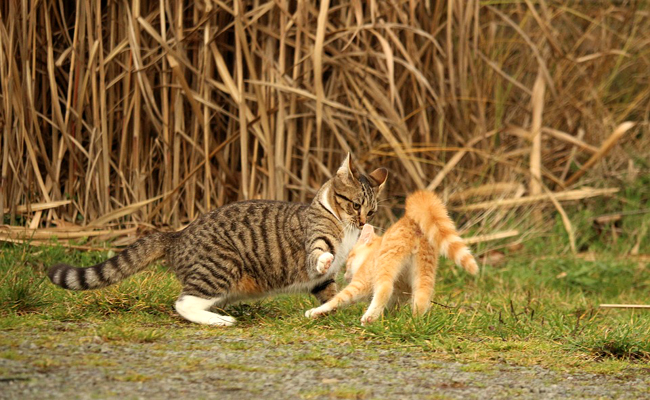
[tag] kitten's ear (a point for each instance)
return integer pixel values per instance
(379, 177)
(367, 233)
(346, 171)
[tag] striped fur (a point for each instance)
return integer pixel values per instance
(249, 249)
(403, 262)
(133, 259)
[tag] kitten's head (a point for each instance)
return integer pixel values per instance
(365, 246)
(355, 195)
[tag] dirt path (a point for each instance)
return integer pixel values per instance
(203, 366)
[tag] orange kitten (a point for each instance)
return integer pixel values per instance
(403, 261)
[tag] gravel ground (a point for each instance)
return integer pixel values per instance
(202, 366)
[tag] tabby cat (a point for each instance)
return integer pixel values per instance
(250, 248)
(403, 261)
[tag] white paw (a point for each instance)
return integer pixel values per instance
(369, 318)
(313, 313)
(221, 320)
(324, 262)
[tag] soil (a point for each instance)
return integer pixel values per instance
(204, 366)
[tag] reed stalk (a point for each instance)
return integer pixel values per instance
(150, 112)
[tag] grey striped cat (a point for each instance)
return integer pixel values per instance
(249, 249)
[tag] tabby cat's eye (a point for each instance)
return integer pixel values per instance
(371, 213)
(356, 206)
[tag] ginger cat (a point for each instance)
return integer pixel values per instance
(403, 261)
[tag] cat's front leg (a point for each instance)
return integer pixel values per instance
(324, 262)
(390, 262)
(318, 311)
(320, 255)
(356, 290)
(371, 315)
(381, 296)
(319, 263)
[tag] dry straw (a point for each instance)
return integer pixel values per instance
(151, 112)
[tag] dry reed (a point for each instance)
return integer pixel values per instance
(150, 112)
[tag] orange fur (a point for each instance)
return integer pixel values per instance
(430, 214)
(248, 285)
(403, 261)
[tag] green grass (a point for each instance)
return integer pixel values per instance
(540, 307)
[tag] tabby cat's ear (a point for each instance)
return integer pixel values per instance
(379, 177)
(367, 233)
(346, 171)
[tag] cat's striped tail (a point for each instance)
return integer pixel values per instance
(430, 214)
(133, 259)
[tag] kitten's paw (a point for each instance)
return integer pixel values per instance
(314, 313)
(324, 263)
(369, 318)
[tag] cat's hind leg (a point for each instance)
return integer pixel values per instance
(195, 309)
(203, 288)
(424, 278)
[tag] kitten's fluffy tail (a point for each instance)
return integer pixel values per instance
(430, 214)
(133, 259)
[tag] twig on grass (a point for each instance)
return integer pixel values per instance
(641, 306)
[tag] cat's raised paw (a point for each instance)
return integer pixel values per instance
(324, 263)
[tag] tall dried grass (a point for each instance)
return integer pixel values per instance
(150, 112)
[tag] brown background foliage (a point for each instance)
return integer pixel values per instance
(150, 112)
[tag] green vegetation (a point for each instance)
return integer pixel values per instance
(531, 310)
(538, 306)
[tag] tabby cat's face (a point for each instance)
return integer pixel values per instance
(355, 196)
